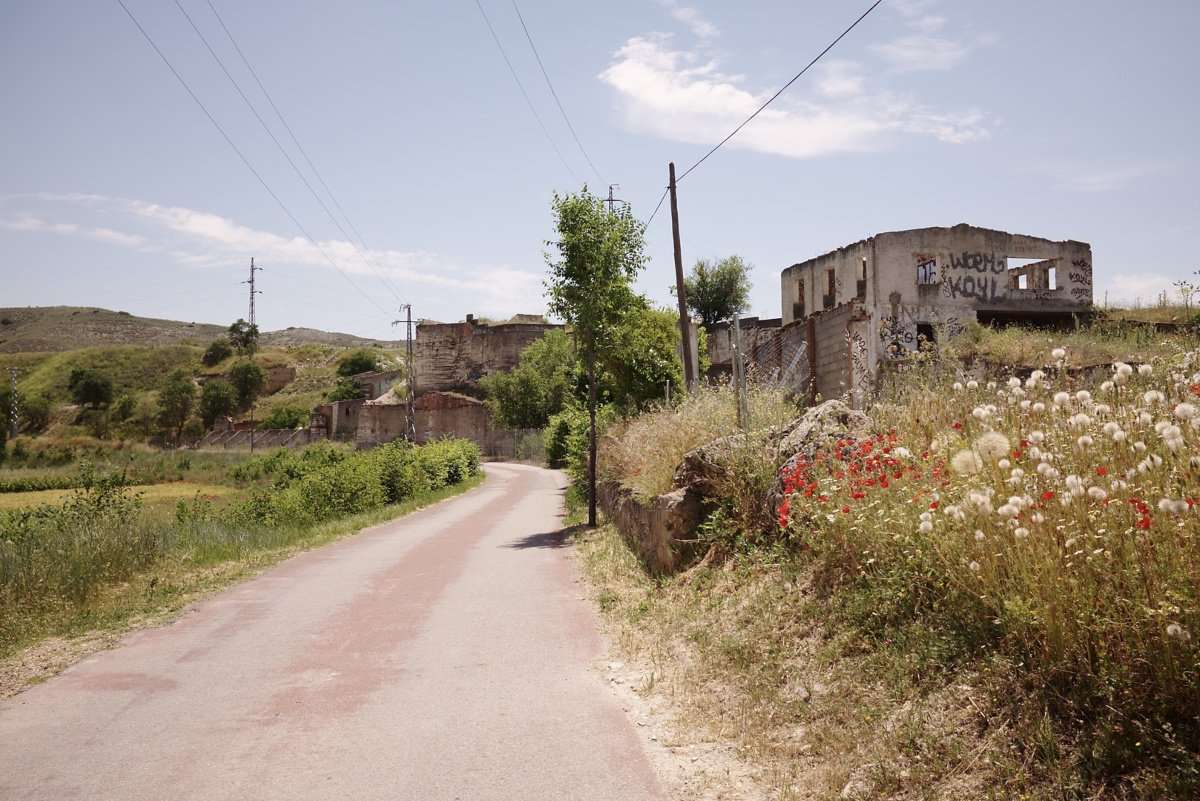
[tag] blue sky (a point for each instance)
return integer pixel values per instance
(1066, 119)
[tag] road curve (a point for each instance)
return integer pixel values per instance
(447, 655)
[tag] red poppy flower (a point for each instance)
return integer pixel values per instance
(1047, 496)
(1102, 470)
(1143, 522)
(845, 510)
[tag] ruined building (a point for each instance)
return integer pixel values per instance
(846, 313)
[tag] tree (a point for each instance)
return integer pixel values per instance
(90, 388)
(247, 379)
(716, 292)
(538, 387)
(217, 399)
(285, 417)
(175, 401)
(243, 337)
(345, 389)
(358, 361)
(594, 261)
(643, 357)
(217, 352)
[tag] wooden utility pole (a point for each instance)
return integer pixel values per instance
(739, 374)
(685, 322)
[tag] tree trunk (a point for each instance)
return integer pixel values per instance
(592, 442)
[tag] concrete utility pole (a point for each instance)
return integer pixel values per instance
(253, 324)
(410, 366)
(13, 408)
(739, 374)
(685, 322)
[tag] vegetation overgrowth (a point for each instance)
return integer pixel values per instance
(1031, 539)
(56, 561)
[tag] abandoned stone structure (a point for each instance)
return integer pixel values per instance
(849, 311)
(454, 356)
(759, 338)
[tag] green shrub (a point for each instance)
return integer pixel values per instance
(285, 417)
(358, 361)
(217, 352)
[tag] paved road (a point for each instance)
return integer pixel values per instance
(445, 656)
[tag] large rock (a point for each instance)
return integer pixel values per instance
(661, 529)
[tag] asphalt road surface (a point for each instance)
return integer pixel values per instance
(447, 655)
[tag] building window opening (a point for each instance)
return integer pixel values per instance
(861, 293)
(798, 311)
(926, 270)
(926, 336)
(830, 289)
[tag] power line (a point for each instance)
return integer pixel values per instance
(245, 160)
(659, 206)
(296, 142)
(525, 94)
(546, 75)
(795, 78)
(279, 145)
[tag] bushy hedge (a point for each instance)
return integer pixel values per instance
(323, 483)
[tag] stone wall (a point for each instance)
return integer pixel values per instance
(759, 339)
(454, 356)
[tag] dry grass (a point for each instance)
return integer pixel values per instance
(644, 451)
(744, 654)
(152, 494)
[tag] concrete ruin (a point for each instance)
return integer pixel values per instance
(852, 310)
(452, 357)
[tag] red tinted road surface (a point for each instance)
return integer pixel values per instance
(445, 656)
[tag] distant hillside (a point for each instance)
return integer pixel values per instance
(61, 328)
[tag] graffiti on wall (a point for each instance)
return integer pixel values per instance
(860, 368)
(927, 272)
(899, 333)
(975, 276)
(1080, 275)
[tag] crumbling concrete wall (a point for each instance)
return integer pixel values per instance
(454, 356)
(759, 339)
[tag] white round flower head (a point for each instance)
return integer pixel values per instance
(1004, 464)
(925, 516)
(1102, 409)
(991, 385)
(1096, 493)
(978, 535)
(902, 453)
(1145, 369)
(925, 527)
(1107, 386)
(1014, 382)
(979, 413)
(1008, 510)
(1021, 533)
(992, 445)
(1178, 632)
(1118, 436)
(1080, 420)
(1037, 437)
(1025, 404)
(1186, 411)
(1083, 396)
(966, 462)
(1144, 418)
(974, 566)
(958, 387)
(1084, 442)
(1123, 370)
(1039, 407)
(972, 384)
(1061, 399)
(1152, 397)
(1058, 354)
(1110, 428)
(1038, 518)
(1139, 446)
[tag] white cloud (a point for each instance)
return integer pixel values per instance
(920, 52)
(700, 26)
(1104, 179)
(839, 79)
(202, 239)
(676, 95)
(1131, 288)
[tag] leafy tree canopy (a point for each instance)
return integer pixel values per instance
(285, 417)
(175, 401)
(217, 352)
(716, 292)
(217, 399)
(345, 389)
(90, 388)
(538, 387)
(243, 337)
(248, 380)
(358, 361)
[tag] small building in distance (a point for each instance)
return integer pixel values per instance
(847, 311)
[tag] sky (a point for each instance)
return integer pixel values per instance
(1070, 119)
